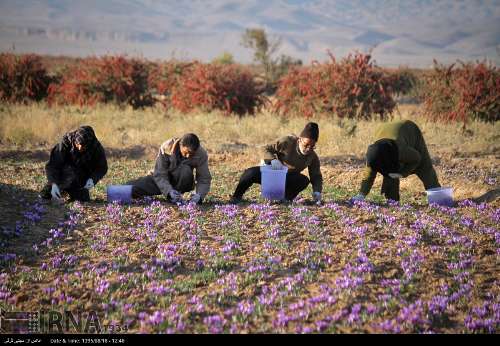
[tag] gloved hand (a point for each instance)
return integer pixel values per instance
(89, 184)
(195, 198)
(276, 164)
(358, 197)
(395, 175)
(316, 196)
(175, 196)
(56, 193)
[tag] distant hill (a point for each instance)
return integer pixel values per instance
(399, 31)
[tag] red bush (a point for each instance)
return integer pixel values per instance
(400, 81)
(22, 78)
(230, 88)
(352, 88)
(163, 77)
(107, 79)
(470, 91)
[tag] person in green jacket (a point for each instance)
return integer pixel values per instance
(296, 153)
(399, 150)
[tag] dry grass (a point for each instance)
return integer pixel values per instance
(35, 126)
(463, 160)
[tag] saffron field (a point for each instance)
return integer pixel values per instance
(153, 267)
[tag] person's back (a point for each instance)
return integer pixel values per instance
(403, 132)
(398, 151)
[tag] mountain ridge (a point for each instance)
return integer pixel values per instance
(393, 30)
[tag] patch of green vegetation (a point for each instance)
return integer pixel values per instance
(195, 280)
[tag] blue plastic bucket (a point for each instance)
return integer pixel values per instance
(121, 193)
(441, 196)
(273, 183)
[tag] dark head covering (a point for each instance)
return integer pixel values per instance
(85, 136)
(311, 130)
(383, 156)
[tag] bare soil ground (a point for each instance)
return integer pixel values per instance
(257, 267)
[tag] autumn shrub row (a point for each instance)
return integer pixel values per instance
(463, 92)
(349, 88)
(23, 78)
(103, 80)
(135, 82)
(209, 87)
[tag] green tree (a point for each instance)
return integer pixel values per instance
(225, 58)
(265, 50)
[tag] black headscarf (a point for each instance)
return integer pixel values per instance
(383, 156)
(85, 136)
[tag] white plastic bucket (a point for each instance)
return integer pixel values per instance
(273, 182)
(121, 193)
(440, 195)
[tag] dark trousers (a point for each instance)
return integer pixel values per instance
(295, 183)
(390, 188)
(426, 173)
(71, 182)
(181, 179)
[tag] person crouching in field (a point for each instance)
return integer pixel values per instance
(75, 165)
(173, 171)
(399, 150)
(296, 153)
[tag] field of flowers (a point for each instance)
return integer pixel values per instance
(253, 268)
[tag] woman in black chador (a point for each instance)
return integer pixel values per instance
(76, 164)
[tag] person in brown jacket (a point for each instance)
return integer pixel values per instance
(399, 150)
(173, 172)
(296, 153)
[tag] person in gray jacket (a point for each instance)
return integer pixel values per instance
(173, 172)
